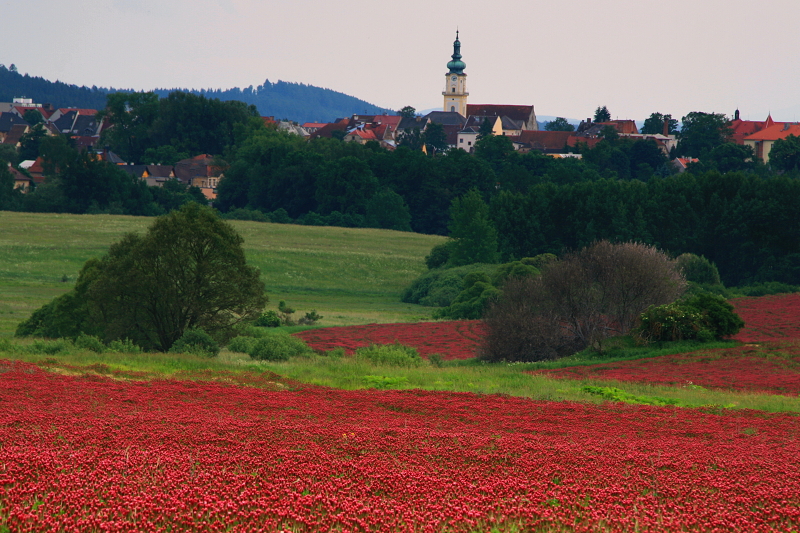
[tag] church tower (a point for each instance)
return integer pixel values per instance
(455, 88)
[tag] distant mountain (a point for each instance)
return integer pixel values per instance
(295, 101)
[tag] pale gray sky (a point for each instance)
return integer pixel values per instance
(565, 57)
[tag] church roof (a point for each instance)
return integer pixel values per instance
(446, 118)
(456, 66)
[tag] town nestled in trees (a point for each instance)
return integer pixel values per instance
(725, 191)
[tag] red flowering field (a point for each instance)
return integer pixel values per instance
(768, 318)
(743, 368)
(452, 340)
(770, 367)
(95, 454)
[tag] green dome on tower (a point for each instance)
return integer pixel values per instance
(456, 66)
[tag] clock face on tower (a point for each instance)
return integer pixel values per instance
(454, 78)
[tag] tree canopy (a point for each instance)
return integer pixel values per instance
(559, 124)
(654, 124)
(702, 132)
(188, 271)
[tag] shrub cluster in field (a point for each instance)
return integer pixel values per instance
(465, 292)
(703, 317)
(66, 346)
(278, 346)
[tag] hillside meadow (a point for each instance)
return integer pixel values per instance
(350, 276)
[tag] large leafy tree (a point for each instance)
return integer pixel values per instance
(187, 271)
(559, 124)
(131, 116)
(474, 236)
(654, 124)
(785, 153)
(435, 138)
(702, 132)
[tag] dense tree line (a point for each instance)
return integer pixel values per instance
(59, 94)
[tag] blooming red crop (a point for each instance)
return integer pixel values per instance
(94, 454)
(747, 368)
(769, 317)
(452, 340)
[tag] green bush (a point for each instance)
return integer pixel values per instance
(50, 347)
(89, 342)
(310, 318)
(241, 344)
(471, 302)
(439, 255)
(515, 269)
(278, 347)
(395, 354)
(124, 346)
(196, 341)
(268, 319)
(670, 322)
(438, 288)
(718, 315)
(698, 269)
(704, 317)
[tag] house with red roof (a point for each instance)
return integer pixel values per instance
(762, 141)
(741, 129)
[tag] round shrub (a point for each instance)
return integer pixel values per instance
(196, 341)
(439, 255)
(241, 344)
(395, 354)
(698, 269)
(278, 347)
(268, 319)
(671, 322)
(719, 316)
(89, 342)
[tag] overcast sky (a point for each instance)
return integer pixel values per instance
(565, 57)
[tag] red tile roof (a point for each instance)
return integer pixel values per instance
(775, 132)
(46, 113)
(77, 110)
(543, 140)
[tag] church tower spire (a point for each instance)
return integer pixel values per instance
(455, 88)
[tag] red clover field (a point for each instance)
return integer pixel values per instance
(87, 452)
(96, 454)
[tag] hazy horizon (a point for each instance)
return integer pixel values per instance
(633, 57)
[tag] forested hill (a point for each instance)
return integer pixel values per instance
(13, 84)
(295, 101)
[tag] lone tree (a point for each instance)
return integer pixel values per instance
(579, 301)
(188, 271)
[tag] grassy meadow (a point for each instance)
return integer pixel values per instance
(350, 276)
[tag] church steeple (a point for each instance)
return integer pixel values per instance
(455, 87)
(456, 66)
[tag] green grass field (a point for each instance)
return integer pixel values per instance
(350, 276)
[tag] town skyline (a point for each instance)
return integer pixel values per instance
(635, 59)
